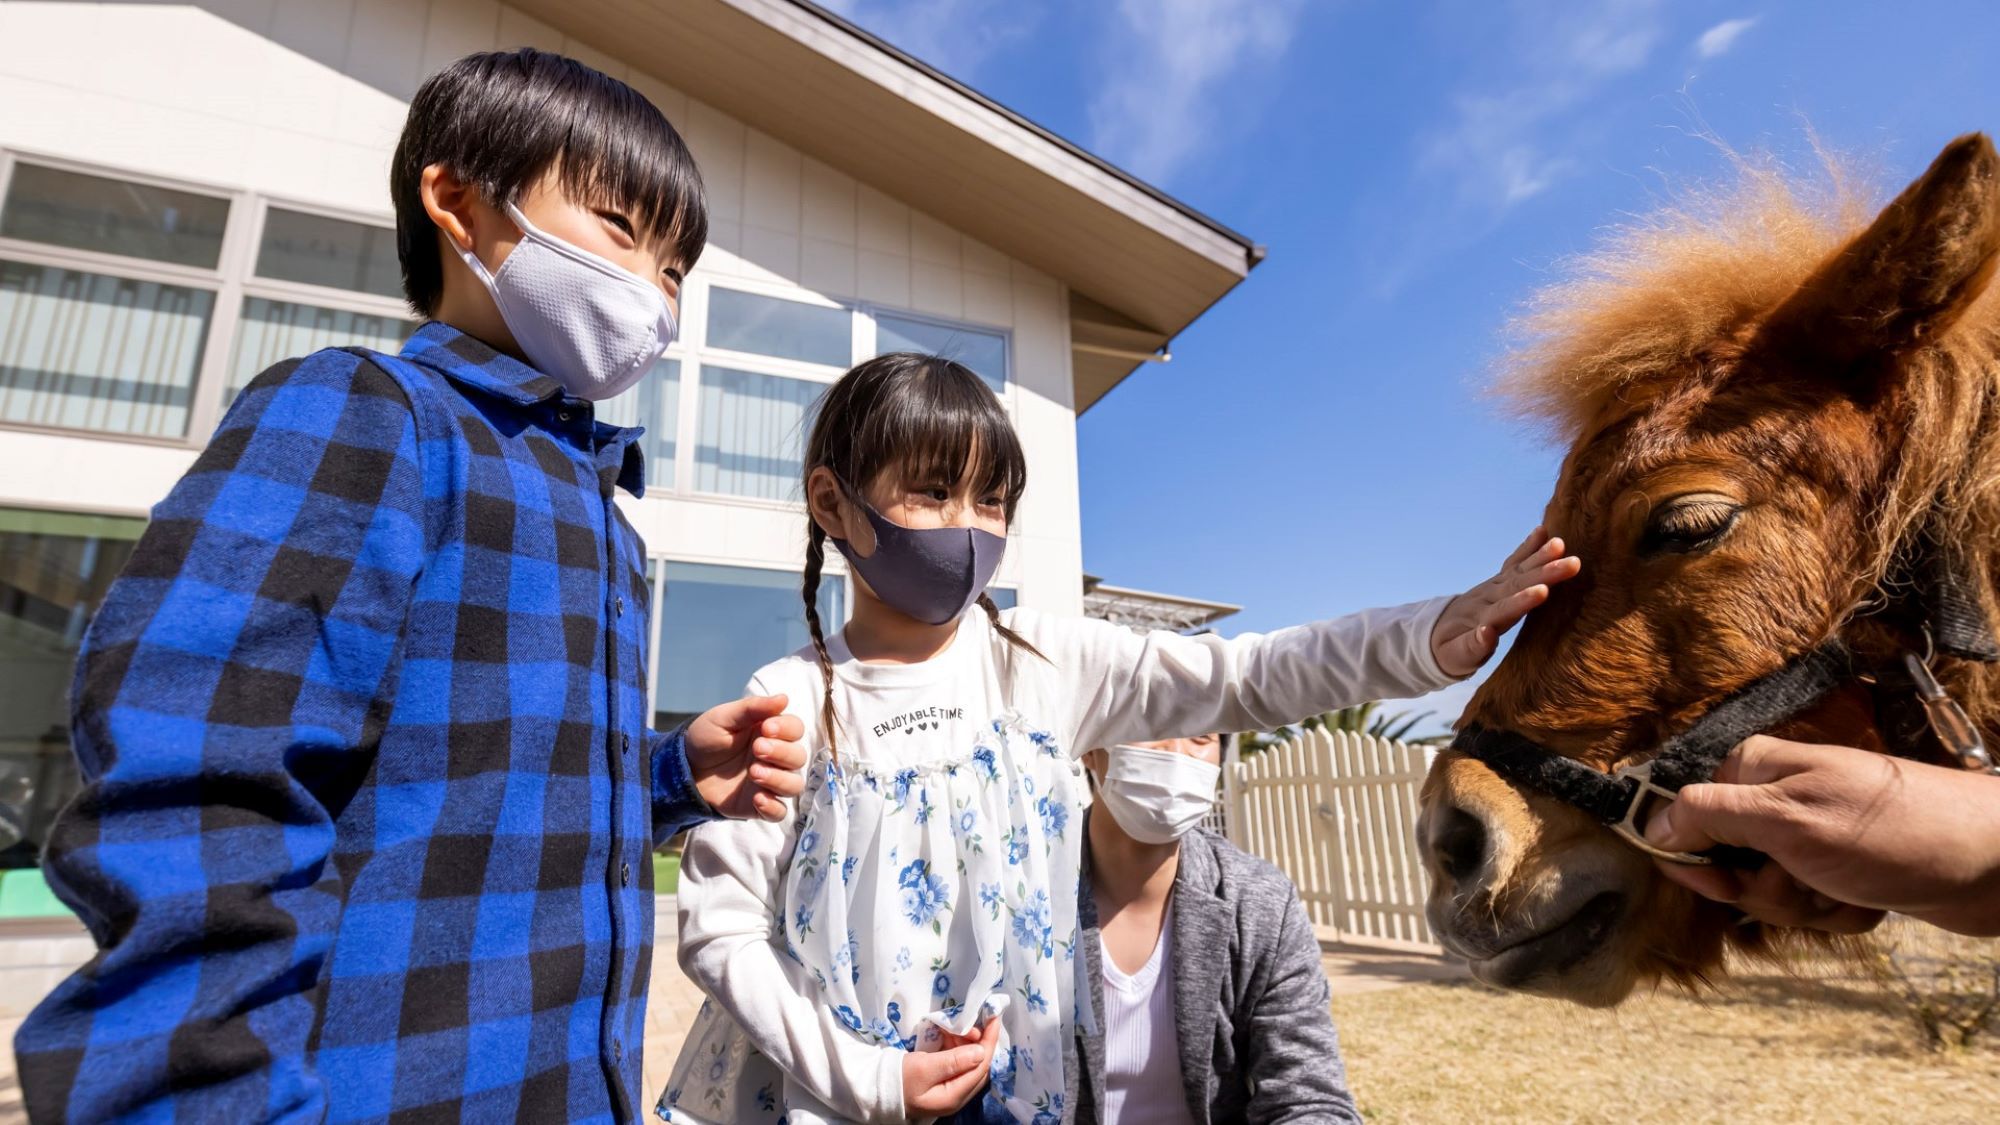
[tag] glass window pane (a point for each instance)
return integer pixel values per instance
(318, 250)
(1003, 597)
(984, 352)
(276, 330)
(752, 433)
(114, 216)
(90, 352)
(746, 322)
(54, 569)
(655, 404)
(719, 624)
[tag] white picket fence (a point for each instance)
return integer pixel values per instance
(1338, 813)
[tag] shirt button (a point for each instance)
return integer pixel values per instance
(624, 874)
(625, 743)
(621, 605)
(563, 415)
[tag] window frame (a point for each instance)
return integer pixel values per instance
(656, 575)
(873, 311)
(692, 349)
(233, 281)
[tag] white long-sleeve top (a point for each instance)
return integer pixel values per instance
(1100, 685)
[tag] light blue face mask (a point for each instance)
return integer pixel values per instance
(583, 320)
(932, 574)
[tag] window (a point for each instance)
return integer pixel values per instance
(269, 331)
(335, 253)
(719, 624)
(132, 220)
(753, 430)
(108, 348)
(54, 569)
(1004, 597)
(773, 326)
(117, 314)
(654, 403)
(357, 259)
(90, 351)
(984, 352)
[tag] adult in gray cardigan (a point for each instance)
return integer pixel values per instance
(1209, 1001)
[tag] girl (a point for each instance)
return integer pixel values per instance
(908, 934)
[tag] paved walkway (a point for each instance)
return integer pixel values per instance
(674, 1000)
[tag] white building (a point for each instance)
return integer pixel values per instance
(191, 191)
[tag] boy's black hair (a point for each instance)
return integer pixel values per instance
(500, 119)
(928, 420)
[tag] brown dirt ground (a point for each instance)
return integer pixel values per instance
(1766, 1048)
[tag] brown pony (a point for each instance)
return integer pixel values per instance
(1765, 407)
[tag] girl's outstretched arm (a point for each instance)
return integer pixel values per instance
(1121, 686)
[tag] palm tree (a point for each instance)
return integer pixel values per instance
(1362, 718)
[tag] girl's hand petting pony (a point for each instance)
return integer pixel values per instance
(746, 757)
(1469, 630)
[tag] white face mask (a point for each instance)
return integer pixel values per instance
(1157, 796)
(585, 322)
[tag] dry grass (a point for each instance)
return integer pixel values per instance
(1770, 1048)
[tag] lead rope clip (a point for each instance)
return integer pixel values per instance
(1947, 719)
(1631, 827)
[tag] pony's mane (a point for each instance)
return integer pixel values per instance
(1662, 286)
(1641, 310)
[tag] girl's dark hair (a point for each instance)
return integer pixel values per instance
(927, 420)
(499, 120)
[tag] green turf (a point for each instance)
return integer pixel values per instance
(666, 873)
(25, 894)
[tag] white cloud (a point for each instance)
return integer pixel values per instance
(1719, 39)
(1166, 67)
(956, 36)
(1504, 142)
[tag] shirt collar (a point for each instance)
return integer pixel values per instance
(473, 363)
(470, 362)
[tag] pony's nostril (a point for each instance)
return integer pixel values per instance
(1460, 841)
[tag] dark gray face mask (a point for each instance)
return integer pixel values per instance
(933, 574)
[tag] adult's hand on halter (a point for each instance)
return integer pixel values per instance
(1850, 834)
(1469, 630)
(746, 757)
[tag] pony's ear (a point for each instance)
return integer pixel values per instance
(1908, 278)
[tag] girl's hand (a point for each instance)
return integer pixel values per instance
(746, 757)
(1469, 630)
(939, 1083)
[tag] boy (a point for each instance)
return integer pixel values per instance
(369, 793)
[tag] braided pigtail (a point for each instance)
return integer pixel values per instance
(815, 561)
(1009, 635)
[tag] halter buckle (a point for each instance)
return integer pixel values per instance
(1948, 720)
(1631, 828)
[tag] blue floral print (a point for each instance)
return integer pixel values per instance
(926, 930)
(1031, 924)
(989, 897)
(1055, 816)
(924, 894)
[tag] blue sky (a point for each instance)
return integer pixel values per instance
(1320, 442)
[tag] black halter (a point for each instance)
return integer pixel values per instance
(1934, 595)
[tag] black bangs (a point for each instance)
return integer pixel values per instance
(501, 119)
(922, 417)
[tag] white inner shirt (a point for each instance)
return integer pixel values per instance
(1142, 1058)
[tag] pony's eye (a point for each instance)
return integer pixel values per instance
(1687, 524)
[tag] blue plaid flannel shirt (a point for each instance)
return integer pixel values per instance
(369, 793)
